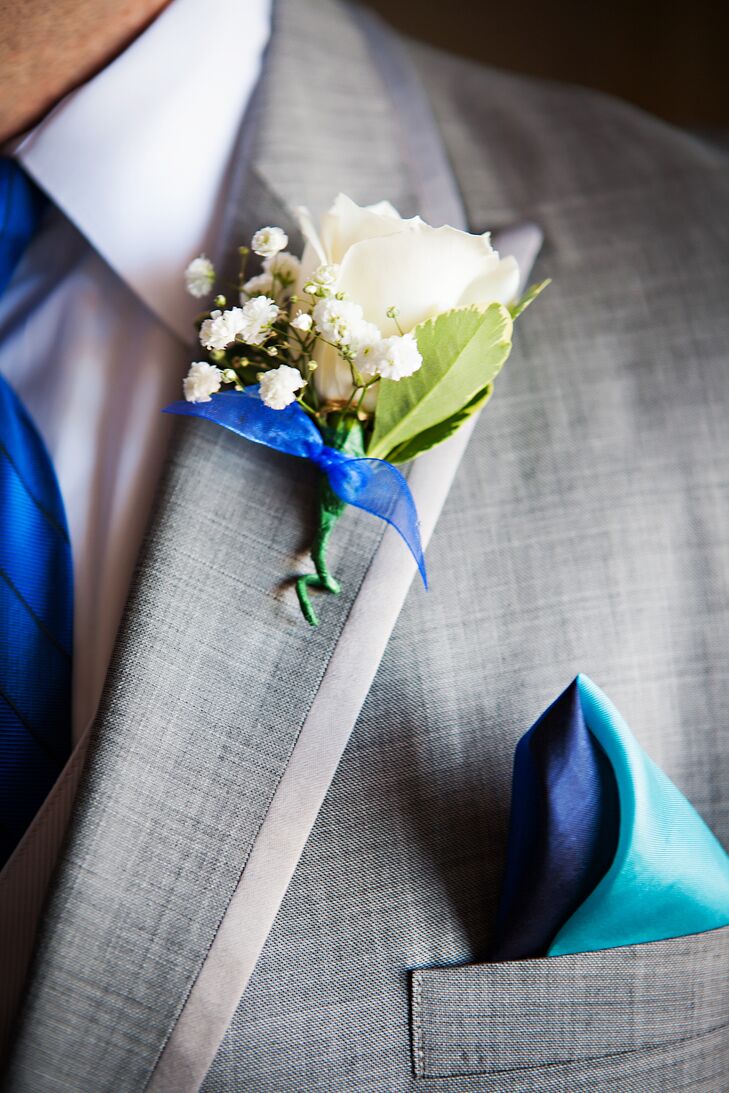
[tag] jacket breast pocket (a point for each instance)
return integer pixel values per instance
(644, 1017)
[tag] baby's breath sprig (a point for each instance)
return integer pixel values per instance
(275, 334)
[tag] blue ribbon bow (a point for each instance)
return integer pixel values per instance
(370, 484)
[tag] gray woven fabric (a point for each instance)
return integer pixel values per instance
(586, 531)
(473, 1019)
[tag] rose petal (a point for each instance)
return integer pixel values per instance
(422, 271)
(347, 223)
(309, 232)
(496, 286)
(333, 377)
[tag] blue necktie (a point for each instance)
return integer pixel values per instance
(36, 604)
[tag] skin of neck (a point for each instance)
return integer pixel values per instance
(49, 47)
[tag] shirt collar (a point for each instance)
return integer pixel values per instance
(138, 157)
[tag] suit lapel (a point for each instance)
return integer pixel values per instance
(322, 121)
(329, 120)
(214, 672)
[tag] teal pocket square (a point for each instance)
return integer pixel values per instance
(604, 850)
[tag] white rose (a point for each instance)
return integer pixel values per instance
(279, 386)
(385, 262)
(202, 381)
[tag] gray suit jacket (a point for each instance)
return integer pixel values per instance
(586, 530)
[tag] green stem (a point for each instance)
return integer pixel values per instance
(305, 406)
(345, 434)
(330, 509)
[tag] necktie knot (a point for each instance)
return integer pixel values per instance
(21, 207)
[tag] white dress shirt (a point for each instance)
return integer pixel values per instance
(95, 327)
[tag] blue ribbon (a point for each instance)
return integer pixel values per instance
(370, 484)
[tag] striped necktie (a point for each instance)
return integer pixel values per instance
(36, 593)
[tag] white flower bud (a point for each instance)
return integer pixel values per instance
(285, 267)
(279, 386)
(258, 314)
(323, 280)
(395, 358)
(202, 381)
(365, 346)
(262, 285)
(200, 276)
(338, 320)
(221, 328)
(303, 321)
(269, 241)
(249, 323)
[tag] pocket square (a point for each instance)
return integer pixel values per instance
(603, 849)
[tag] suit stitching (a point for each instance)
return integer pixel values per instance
(418, 1049)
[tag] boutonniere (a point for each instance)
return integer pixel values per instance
(373, 348)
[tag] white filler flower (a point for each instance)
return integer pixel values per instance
(200, 276)
(322, 281)
(302, 321)
(339, 321)
(221, 328)
(269, 241)
(261, 285)
(285, 267)
(258, 314)
(202, 381)
(396, 357)
(279, 387)
(388, 263)
(365, 346)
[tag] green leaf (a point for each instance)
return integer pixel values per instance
(434, 436)
(462, 350)
(528, 298)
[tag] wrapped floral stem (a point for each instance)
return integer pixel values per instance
(330, 508)
(374, 347)
(342, 434)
